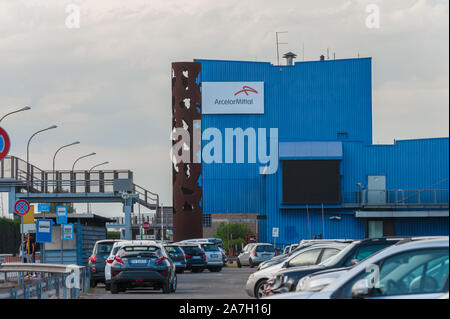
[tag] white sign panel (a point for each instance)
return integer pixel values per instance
(44, 226)
(233, 97)
(275, 232)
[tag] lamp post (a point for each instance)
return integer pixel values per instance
(26, 108)
(54, 157)
(28, 150)
(90, 170)
(81, 157)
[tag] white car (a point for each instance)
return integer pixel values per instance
(214, 257)
(311, 255)
(416, 269)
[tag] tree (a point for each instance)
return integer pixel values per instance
(235, 231)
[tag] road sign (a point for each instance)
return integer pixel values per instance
(29, 218)
(146, 225)
(275, 232)
(44, 208)
(5, 144)
(44, 230)
(61, 214)
(22, 207)
(67, 231)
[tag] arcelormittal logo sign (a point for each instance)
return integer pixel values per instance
(233, 97)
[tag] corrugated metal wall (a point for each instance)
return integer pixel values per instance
(54, 257)
(309, 101)
(422, 226)
(315, 101)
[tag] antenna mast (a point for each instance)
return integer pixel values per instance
(278, 43)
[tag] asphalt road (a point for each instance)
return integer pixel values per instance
(227, 284)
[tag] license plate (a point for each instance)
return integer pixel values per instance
(196, 257)
(214, 256)
(139, 261)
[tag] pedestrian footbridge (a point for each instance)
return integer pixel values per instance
(26, 181)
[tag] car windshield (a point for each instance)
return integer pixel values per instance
(191, 250)
(131, 251)
(265, 248)
(173, 250)
(209, 248)
(104, 248)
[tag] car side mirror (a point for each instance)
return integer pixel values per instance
(354, 261)
(286, 264)
(361, 289)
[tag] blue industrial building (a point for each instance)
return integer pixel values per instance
(323, 112)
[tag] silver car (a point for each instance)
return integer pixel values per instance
(254, 254)
(311, 255)
(416, 269)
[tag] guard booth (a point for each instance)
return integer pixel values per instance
(87, 229)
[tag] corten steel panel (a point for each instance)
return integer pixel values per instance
(187, 190)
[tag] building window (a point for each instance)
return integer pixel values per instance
(207, 220)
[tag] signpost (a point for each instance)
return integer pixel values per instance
(22, 207)
(61, 219)
(146, 225)
(5, 144)
(44, 208)
(275, 235)
(44, 230)
(67, 231)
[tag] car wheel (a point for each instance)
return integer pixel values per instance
(250, 263)
(195, 269)
(173, 287)
(260, 289)
(93, 284)
(180, 271)
(239, 263)
(201, 269)
(114, 289)
(166, 286)
(107, 287)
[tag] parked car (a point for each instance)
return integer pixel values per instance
(177, 255)
(304, 244)
(312, 255)
(415, 269)
(143, 264)
(317, 281)
(97, 260)
(254, 254)
(355, 252)
(286, 250)
(116, 247)
(216, 241)
(214, 258)
(195, 257)
(224, 256)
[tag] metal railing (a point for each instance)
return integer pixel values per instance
(407, 198)
(56, 281)
(66, 181)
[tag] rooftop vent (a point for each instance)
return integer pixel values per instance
(290, 58)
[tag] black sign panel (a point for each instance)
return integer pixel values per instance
(311, 182)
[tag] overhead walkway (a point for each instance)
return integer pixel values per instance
(28, 182)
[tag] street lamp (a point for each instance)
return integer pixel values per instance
(90, 170)
(28, 146)
(81, 157)
(54, 157)
(26, 108)
(104, 163)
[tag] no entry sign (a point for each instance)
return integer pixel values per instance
(22, 207)
(146, 225)
(5, 144)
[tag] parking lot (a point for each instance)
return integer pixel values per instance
(227, 284)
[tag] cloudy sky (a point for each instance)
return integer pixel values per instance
(107, 83)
